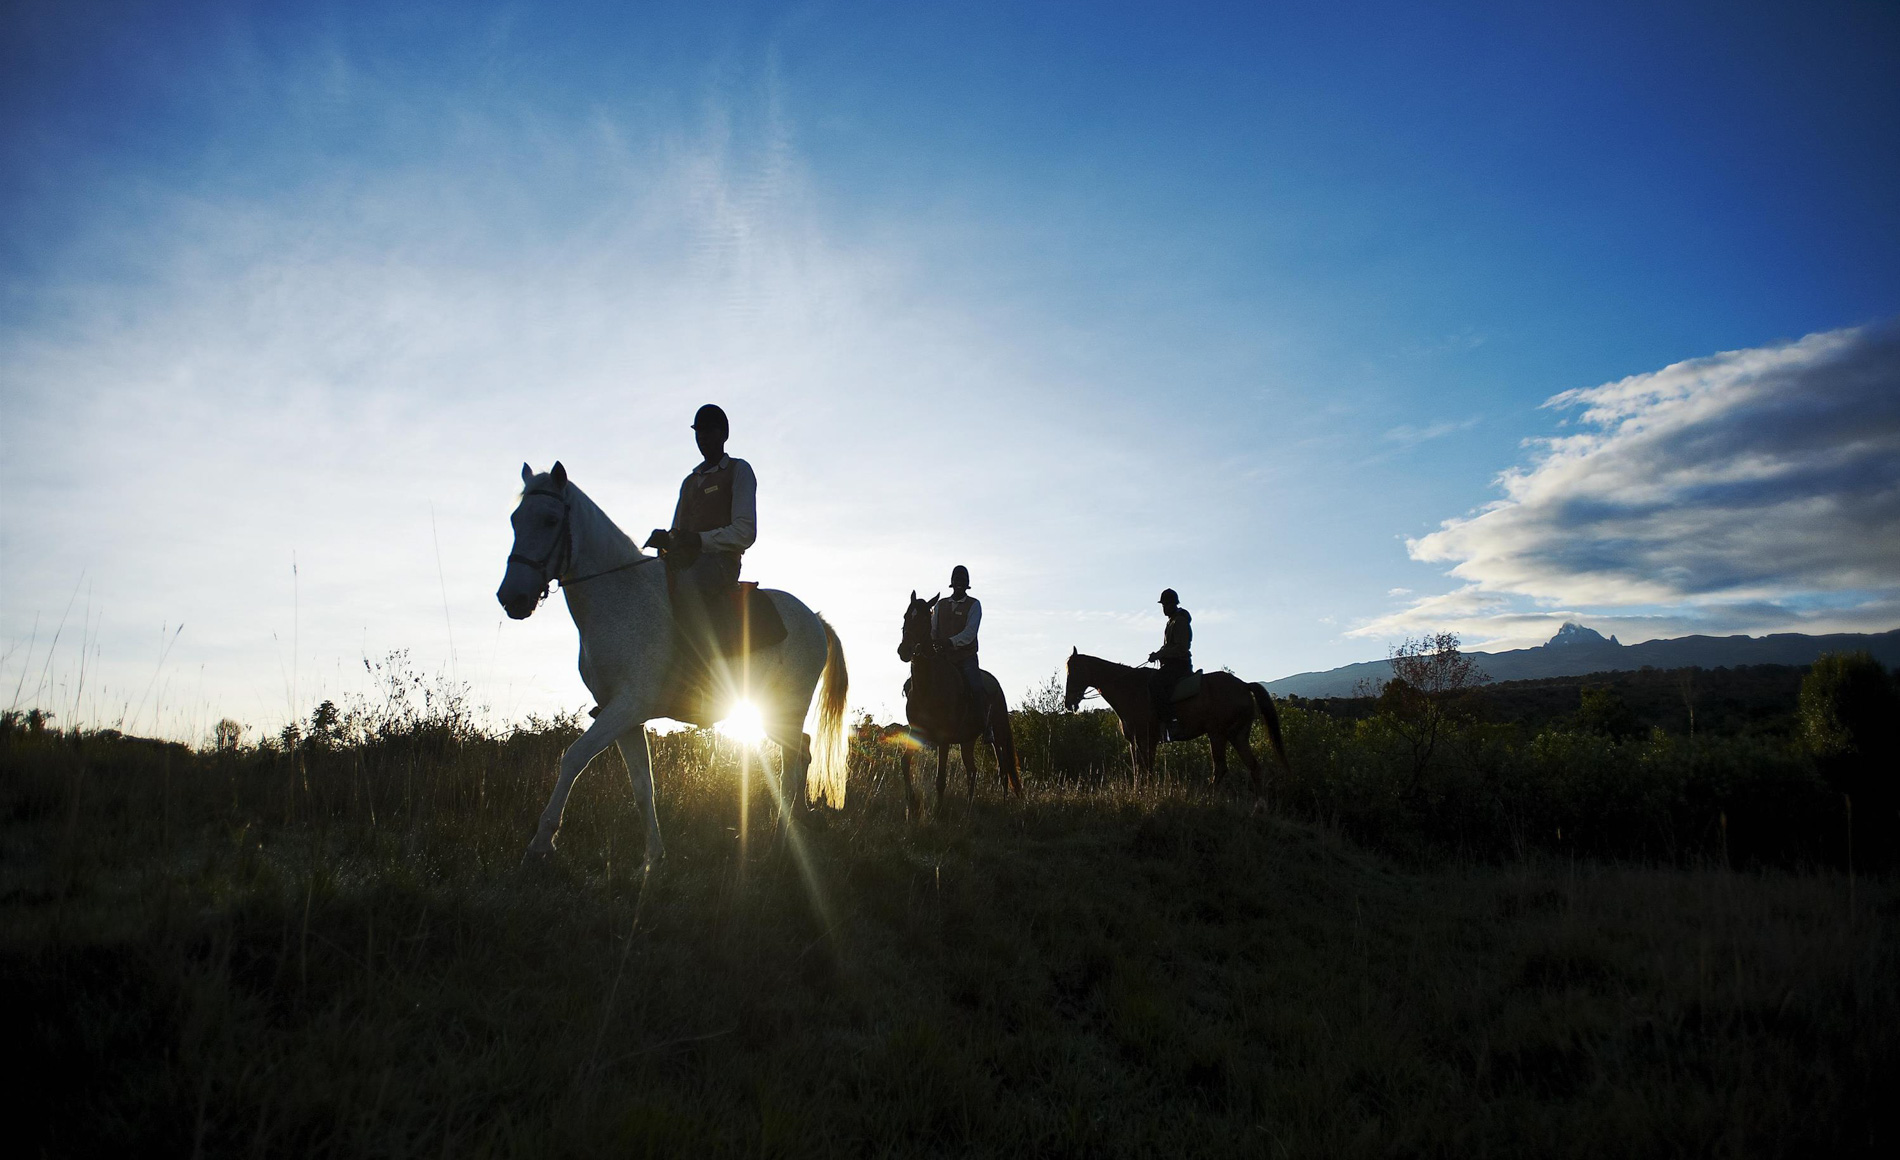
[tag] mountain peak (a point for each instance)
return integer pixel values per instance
(1573, 634)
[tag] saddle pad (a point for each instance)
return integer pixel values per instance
(1187, 688)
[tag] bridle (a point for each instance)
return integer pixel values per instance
(564, 548)
(925, 647)
(1089, 692)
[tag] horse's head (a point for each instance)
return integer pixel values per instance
(1077, 687)
(541, 545)
(916, 639)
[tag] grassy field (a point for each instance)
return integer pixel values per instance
(331, 951)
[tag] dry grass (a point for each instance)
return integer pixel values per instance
(334, 953)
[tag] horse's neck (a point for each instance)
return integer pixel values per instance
(598, 543)
(1119, 684)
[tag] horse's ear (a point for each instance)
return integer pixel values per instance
(913, 596)
(527, 473)
(558, 474)
(1073, 651)
(933, 600)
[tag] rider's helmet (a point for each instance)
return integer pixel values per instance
(959, 577)
(713, 420)
(1168, 597)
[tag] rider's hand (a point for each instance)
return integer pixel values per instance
(660, 539)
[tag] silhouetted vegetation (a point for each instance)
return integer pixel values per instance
(322, 943)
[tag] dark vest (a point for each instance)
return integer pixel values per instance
(707, 504)
(950, 621)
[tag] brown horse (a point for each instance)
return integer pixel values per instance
(1223, 710)
(937, 706)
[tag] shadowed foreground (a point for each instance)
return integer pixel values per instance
(331, 951)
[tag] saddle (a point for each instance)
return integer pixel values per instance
(1187, 688)
(746, 618)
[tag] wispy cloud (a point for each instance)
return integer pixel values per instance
(353, 372)
(1408, 435)
(1458, 342)
(1750, 490)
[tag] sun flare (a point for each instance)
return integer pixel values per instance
(743, 724)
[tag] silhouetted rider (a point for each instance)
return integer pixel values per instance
(714, 522)
(953, 625)
(1175, 654)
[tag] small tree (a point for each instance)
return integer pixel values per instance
(1046, 697)
(1430, 678)
(226, 735)
(1850, 719)
(1601, 709)
(327, 729)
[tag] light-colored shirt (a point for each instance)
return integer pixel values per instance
(738, 535)
(968, 636)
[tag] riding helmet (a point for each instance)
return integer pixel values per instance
(711, 418)
(1168, 597)
(959, 577)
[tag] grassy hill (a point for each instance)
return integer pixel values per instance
(329, 949)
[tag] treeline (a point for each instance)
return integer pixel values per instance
(1763, 764)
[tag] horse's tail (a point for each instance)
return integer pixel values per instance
(1005, 739)
(826, 781)
(1264, 700)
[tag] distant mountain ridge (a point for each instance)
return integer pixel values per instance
(1577, 650)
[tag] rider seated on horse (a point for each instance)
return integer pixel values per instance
(714, 522)
(1175, 656)
(953, 625)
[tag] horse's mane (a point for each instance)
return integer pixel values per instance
(1116, 668)
(587, 523)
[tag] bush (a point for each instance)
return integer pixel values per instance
(1850, 722)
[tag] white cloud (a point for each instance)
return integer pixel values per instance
(1752, 490)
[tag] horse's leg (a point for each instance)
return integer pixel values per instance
(912, 807)
(615, 718)
(1143, 750)
(969, 765)
(797, 791)
(794, 759)
(640, 772)
(1250, 760)
(1219, 745)
(943, 770)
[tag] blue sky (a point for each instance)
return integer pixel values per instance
(1265, 303)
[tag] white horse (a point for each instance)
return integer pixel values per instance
(617, 596)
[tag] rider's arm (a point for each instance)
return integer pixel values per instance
(969, 626)
(738, 535)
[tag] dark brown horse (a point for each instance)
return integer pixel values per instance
(937, 706)
(1223, 710)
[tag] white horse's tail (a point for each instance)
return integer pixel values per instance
(825, 783)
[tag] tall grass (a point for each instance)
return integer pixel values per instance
(325, 945)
